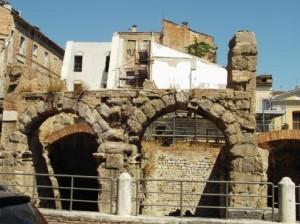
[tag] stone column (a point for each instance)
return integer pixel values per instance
(242, 60)
(125, 194)
(287, 201)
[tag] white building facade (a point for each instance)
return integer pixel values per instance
(86, 63)
(102, 65)
(174, 69)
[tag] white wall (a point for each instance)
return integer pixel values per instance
(175, 69)
(94, 55)
(116, 61)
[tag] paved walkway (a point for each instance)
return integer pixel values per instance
(93, 217)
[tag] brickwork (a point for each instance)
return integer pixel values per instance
(5, 25)
(197, 162)
(69, 130)
(268, 137)
(180, 36)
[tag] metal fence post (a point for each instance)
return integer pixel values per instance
(137, 198)
(273, 202)
(226, 200)
(174, 126)
(71, 193)
(111, 196)
(33, 186)
(181, 197)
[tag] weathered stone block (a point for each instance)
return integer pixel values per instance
(134, 126)
(158, 104)
(82, 109)
(169, 100)
(243, 150)
(205, 104)
(241, 76)
(182, 98)
(104, 110)
(114, 161)
(114, 135)
(140, 116)
(216, 110)
(243, 63)
(244, 49)
(243, 37)
(248, 123)
(140, 101)
(228, 117)
(148, 110)
(18, 137)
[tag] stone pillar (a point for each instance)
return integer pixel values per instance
(125, 194)
(242, 60)
(287, 201)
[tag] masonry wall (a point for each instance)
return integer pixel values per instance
(183, 161)
(180, 36)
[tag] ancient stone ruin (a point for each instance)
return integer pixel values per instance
(111, 125)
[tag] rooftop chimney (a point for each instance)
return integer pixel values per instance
(133, 28)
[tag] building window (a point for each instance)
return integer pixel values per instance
(78, 63)
(22, 46)
(46, 59)
(296, 120)
(107, 63)
(35, 50)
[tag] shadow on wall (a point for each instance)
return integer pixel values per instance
(218, 173)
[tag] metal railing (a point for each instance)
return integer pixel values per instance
(197, 198)
(175, 129)
(158, 197)
(65, 192)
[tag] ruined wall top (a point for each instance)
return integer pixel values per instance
(242, 62)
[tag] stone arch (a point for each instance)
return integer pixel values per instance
(151, 109)
(38, 111)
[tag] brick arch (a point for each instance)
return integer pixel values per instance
(69, 130)
(264, 139)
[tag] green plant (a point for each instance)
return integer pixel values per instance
(199, 48)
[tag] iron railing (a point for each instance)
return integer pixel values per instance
(176, 129)
(65, 192)
(196, 198)
(158, 197)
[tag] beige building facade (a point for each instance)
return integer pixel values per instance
(180, 36)
(29, 62)
(291, 118)
(24, 44)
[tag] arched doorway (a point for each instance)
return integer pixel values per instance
(72, 155)
(62, 147)
(181, 146)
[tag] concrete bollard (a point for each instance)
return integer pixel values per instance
(125, 194)
(287, 201)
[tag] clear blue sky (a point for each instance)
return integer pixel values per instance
(275, 22)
